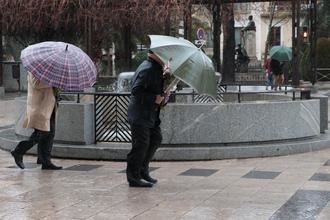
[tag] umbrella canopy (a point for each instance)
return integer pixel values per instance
(281, 53)
(188, 62)
(60, 65)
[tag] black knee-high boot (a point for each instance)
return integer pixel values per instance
(23, 147)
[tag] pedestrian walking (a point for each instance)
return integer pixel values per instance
(143, 115)
(276, 68)
(269, 73)
(40, 115)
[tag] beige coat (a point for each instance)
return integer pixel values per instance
(40, 104)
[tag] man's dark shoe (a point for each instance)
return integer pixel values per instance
(18, 159)
(50, 167)
(139, 183)
(39, 161)
(148, 178)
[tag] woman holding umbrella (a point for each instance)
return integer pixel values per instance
(50, 66)
(276, 68)
(40, 115)
(279, 54)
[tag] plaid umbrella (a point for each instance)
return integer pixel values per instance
(60, 65)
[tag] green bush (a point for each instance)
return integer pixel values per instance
(139, 58)
(305, 63)
(323, 52)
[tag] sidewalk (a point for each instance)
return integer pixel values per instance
(8, 109)
(287, 187)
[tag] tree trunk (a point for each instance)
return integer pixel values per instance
(228, 43)
(296, 43)
(271, 18)
(88, 36)
(216, 34)
(167, 30)
(128, 46)
(187, 22)
(326, 6)
(1, 53)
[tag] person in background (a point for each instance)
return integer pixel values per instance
(269, 74)
(40, 115)
(143, 116)
(276, 68)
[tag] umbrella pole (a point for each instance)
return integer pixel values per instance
(172, 85)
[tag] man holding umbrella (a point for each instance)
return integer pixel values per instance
(192, 66)
(143, 116)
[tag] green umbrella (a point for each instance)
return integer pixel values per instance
(188, 62)
(281, 53)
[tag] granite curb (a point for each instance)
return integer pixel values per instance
(118, 151)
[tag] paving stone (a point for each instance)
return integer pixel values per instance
(27, 165)
(327, 163)
(304, 204)
(82, 167)
(150, 169)
(199, 172)
(320, 177)
(254, 174)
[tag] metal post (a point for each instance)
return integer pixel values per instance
(1, 52)
(296, 38)
(313, 38)
(293, 95)
(95, 97)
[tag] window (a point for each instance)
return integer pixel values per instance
(275, 36)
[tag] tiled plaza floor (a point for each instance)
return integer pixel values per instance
(288, 187)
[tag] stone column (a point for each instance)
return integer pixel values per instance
(250, 44)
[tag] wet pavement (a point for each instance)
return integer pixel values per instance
(286, 187)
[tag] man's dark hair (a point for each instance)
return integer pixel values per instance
(150, 51)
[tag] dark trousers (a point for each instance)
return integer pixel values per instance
(44, 139)
(145, 142)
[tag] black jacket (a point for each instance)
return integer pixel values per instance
(146, 84)
(276, 67)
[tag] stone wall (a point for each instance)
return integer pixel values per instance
(239, 123)
(10, 84)
(75, 122)
(193, 124)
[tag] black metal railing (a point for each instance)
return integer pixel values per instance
(111, 123)
(323, 74)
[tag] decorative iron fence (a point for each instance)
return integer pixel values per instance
(323, 74)
(210, 99)
(111, 117)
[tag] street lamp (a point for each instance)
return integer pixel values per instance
(305, 33)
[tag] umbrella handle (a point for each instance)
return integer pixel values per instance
(168, 66)
(172, 85)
